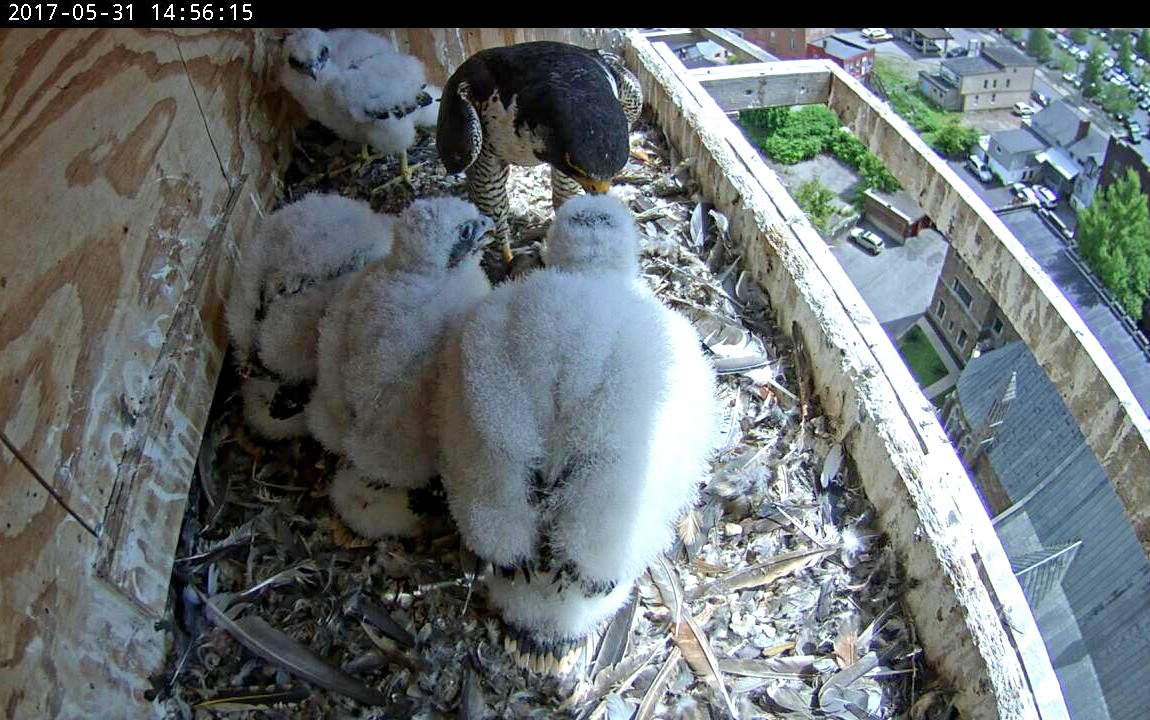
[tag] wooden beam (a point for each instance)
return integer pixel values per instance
(760, 85)
(1095, 393)
(735, 44)
(926, 503)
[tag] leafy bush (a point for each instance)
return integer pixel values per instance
(954, 140)
(766, 119)
(815, 200)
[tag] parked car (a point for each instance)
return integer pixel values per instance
(1069, 77)
(979, 167)
(1045, 195)
(876, 34)
(1023, 109)
(1144, 103)
(1024, 194)
(958, 51)
(867, 240)
(1039, 98)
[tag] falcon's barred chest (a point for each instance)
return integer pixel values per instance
(537, 102)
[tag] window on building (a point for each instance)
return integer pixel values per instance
(997, 326)
(962, 293)
(961, 339)
(975, 103)
(993, 97)
(995, 83)
(941, 309)
(792, 42)
(1007, 82)
(985, 84)
(772, 37)
(950, 326)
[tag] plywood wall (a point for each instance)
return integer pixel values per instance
(443, 49)
(130, 162)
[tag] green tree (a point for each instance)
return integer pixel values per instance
(954, 140)
(1114, 239)
(1142, 47)
(1124, 51)
(815, 200)
(1038, 44)
(1066, 63)
(1079, 35)
(1092, 73)
(1116, 99)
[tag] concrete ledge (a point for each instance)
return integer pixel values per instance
(958, 575)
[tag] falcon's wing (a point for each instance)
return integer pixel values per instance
(459, 132)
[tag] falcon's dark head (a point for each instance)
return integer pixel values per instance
(588, 142)
(307, 51)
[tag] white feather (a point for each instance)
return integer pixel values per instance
(379, 341)
(581, 373)
(298, 259)
(370, 511)
(364, 75)
(257, 393)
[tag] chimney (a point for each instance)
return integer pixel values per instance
(1083, 128)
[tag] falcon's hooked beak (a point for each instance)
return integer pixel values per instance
(473, 235)
(599, 187)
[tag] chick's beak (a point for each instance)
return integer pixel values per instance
(592, 185)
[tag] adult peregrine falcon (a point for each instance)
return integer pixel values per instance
(524, 104)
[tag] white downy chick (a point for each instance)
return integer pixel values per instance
(359, 85)
(577, 416)
(377, 360)
(286, 274)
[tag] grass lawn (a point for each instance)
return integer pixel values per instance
(920, 357)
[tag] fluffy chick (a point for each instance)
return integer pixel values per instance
(286, 274)
(570, 442)
(360, 86)
(378, 344)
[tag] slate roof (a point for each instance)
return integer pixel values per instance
(1051, 475)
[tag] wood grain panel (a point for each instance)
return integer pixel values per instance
(71, 646)
(105, 180)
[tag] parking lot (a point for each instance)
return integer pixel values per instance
(898, 283)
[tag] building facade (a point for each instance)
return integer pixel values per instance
(964, 314)
(857, 60)
(786, 43)
(998, 77)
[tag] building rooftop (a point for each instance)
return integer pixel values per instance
(1061, 495)
(1091, 146)
(1018, 141)
(976, 65)
(1059, 123)
(934, 33)
(901, 202)
(1006, 56)
(840, 48)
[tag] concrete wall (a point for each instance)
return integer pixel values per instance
(925, 502)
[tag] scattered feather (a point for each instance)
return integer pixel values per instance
(696, 648)
(256, 635)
